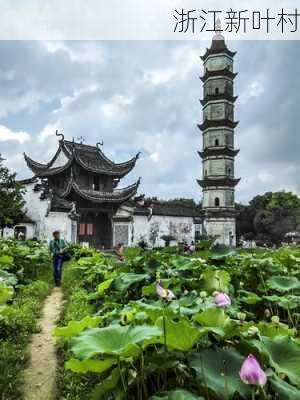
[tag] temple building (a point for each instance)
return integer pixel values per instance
(218, 179)
(76, 193)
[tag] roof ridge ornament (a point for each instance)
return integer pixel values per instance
(60, 135)
(98, 144)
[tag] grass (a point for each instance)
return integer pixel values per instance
(16, 328)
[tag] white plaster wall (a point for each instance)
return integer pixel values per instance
(30, 230)
(46, 223)
(221, 228)
(56, 221)
(36, 209)
(182, 228)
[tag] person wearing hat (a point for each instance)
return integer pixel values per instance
(57, 246)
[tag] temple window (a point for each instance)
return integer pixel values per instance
(217, 202)
(217, 91)
(217, 142)
(96, 183)
(89, 229)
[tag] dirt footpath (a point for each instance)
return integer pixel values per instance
(41, 372)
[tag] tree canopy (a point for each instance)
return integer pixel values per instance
(11, 198)
(269, 216)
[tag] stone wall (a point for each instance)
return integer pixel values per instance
(182, 228)
(224, 229)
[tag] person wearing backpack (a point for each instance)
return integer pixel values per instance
(57, 247)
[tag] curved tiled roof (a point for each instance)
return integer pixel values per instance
(116, 196)
(90, 158)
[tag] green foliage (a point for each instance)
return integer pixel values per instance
(269, 217)
(21, 295)
(11, 198)
(144, 347)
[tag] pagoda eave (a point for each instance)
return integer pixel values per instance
(219, 97)
(218, 182)
(221, 72)
(217, 123)
(218, 151)
(211, 51)
(220, 213)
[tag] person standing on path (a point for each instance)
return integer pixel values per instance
(57, 246)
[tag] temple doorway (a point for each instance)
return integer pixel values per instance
(96, 230)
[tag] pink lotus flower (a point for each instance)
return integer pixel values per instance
(222, 300)
(164, 293)
(251, 372)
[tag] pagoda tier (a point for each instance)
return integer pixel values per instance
(216, 73)
(221, 213)
(218, 181)
(218, 151)
(216, 97)
(90, 158)
(218, 46)
(210, 123)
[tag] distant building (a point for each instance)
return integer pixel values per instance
(218, 154)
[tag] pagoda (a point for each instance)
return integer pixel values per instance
(218, 153)
(81, 182)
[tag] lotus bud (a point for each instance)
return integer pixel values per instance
(222, 300)
(185, 292)
(164, 293)
(241, 284)
(203, 294)
(253, 331)
(267, 313)
(241, 316)
(275, 319)
(251, 372)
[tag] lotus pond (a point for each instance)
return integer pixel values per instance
(165, 325)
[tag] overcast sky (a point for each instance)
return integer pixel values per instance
(143, 96)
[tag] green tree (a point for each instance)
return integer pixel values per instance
(11, 198)
(269, 217)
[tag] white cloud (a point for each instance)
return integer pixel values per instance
(253, 90)
(28, 101)
(117, 105)
(48, 131)
(82, 52)
(8, 135)
(67, 101)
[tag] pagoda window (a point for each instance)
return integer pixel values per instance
(217, 202)
(216, 90)
(217, 142)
